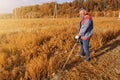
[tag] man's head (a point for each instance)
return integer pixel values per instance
(83, 12)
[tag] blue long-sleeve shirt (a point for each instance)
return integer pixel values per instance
(86, 28)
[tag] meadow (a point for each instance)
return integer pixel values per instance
(33, 49)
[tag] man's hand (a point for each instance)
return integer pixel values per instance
(77, 37)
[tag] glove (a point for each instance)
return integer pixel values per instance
(77, 37)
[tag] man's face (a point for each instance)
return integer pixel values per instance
(81, 13)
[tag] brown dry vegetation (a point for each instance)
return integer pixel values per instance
(34, 49)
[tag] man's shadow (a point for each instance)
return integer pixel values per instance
(106, 48)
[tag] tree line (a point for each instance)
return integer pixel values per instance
(71, 9)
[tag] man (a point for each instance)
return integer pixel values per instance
(85, 33)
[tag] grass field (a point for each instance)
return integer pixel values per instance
(33, 49)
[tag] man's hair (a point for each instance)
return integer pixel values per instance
(83, 9)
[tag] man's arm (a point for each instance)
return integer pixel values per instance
(84, 27)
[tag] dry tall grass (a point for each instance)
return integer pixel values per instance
(35, 48)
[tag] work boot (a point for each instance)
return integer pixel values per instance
(87, 60)
(80, 55)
